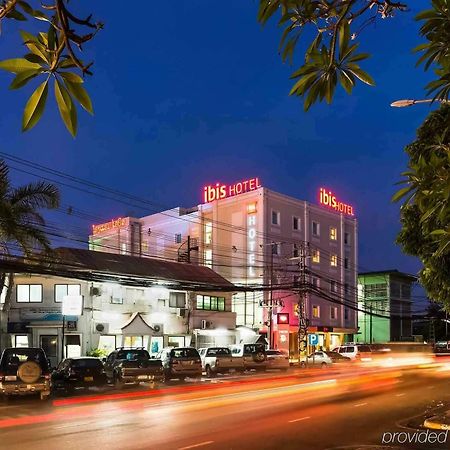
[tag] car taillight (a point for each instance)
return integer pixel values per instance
(47, 376)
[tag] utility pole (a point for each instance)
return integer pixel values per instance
(371, 325)
(303, 321)
(270, 308)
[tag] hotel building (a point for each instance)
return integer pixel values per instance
(252, 236)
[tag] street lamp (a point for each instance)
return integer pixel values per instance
(409, 102)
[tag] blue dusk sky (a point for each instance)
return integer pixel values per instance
(186, 93)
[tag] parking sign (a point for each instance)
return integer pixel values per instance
(313, 339)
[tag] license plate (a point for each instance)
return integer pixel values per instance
(142, 377)
(88, 378)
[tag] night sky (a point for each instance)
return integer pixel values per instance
(187, 93)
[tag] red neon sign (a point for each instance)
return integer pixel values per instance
(219, 191)
(327, 198)
(111, 225)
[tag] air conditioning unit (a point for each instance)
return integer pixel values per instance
(95, 291)
(206, 324)
(158, 328)
(102, 328)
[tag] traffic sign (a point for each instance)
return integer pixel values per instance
(313, 339)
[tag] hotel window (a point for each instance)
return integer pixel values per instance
(178, 238)
(206, 302)
(333, 233)
(346, 289)
(123, 248)
(276, 248)
(346, 238)
(295, 251)
(296, 223)
(208, 233)
(315, 282)
(333, 286)
(346, 263)
(316, 312)
(29, 293)
(177, 300)
(61, 290)
(208, 258)
(316, 229)
(346, 314)
(316, 256)
(333, 260)
(275, 218)
(333, 312)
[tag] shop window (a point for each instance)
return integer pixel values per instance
(333, 233)
(61, 290)
(177, 299)
(296, 224)
(21, 340)
(117, 296)
(107, 343)
(333, 260)
(316, 311)
(29, 293)
(316, 256)
(315, 228)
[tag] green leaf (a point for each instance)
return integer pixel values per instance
(66, 63)
(66, 108)
(23, 78)
(359, 73)
(35, 106)
(344, 38)
(18, 65)
(52, 38)
(80, 94)
(35, 59)
(71, 77)
(33, 44)
(16, 15)
(401, 193)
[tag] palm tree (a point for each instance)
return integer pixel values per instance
(22, 227)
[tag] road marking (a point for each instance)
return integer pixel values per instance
(400, 395)
(301, 418)
(200, 444)
(359, 404)
(430, 387)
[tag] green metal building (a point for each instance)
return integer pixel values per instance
(387, 295)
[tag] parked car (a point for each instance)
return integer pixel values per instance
(324, 359)
(219, 360)
(276, 359)
(253, 355)
(180, 362)
(82, 372)
(361, 352)
(25, 371)
(132, 366)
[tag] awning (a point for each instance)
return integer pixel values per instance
(137, 326)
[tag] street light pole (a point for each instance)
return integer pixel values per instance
(410, 102)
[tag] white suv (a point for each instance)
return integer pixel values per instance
(361, 352)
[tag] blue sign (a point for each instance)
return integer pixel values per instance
(313, 339)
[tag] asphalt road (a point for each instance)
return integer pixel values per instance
(314, 410)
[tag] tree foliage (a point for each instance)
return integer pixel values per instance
(425, 213)
(332, 57)
(51, 58)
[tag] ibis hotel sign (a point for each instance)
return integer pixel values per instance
(220, 191)
(328, 199)
(111, 225)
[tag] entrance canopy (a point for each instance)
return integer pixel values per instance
(137, 326)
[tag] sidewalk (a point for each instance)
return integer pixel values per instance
(438, 422)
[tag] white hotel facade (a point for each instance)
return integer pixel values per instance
(251, 235)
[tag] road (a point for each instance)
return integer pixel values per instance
(298, 410)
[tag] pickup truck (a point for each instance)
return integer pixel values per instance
(219, 360)
(132, 366)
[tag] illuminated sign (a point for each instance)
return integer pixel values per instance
(219, 191)
(251, 239)
(111, 225)
(282, 318)
(327, 198)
